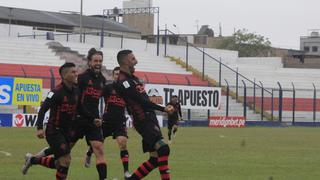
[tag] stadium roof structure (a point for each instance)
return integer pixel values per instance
(58, 20)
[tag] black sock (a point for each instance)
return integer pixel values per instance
(90, 151)
(163, 156)
(48, 161)
(169, 134)
(102, 170)
(48, 152)
(125, 159)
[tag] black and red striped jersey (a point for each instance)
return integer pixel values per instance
(90, 85)
(131, 89)
(62, 102)
(114, 103)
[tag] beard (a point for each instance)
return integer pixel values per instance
(96, 69)
(132, 69)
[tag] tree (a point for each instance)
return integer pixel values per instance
(247, 44)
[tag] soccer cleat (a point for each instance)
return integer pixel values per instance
(87, 161)
(27, 163)
(127, 175)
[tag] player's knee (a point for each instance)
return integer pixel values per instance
(65, 160)
(122, 142)
(123, 145)
(163, 150)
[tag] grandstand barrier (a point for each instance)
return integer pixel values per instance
(272, 103)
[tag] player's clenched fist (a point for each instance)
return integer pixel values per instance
(169, 109)
(98, 122)
(40, 133)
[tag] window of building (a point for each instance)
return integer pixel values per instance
(306, 49)
(314, 48)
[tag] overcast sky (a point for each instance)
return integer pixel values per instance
(282, 21)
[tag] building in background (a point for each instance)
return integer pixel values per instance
(311, 44)
(14, 21)
(144, 22)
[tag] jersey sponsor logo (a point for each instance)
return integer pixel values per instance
(94, 93)
(117, 100)
(126, 84)
(224, 121)
(50, 94)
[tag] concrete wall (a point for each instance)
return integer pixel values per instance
(14, 30)
(142, 22)
(274, 62)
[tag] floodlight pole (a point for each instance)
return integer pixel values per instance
(158, 32)
(81, 13)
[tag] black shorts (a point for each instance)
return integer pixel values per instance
(59, 142)
(150, 131)
(172, 122)
(114, 129)
(89, 130)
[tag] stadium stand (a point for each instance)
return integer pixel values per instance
(33, 58)
(24, 51)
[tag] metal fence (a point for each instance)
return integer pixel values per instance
(276, 104)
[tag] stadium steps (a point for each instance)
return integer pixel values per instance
(26, 51)
(74, 56)
(235, 107)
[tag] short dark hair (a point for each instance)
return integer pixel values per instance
(174, 96)
(122, 54)
(115, 69)
(65, 66)
(92, 52)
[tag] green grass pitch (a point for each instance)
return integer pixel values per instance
(253, 153)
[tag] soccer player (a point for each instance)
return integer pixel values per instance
(144, 117)
(174, 117)
(88, 122)
(114, 122)
(62, 102)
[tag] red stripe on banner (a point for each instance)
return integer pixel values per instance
(144, 169)
(163, 158)
(164, 167)
(150, 165)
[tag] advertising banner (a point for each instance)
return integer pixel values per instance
(5, 120)
(190, 97)
(229, 122)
